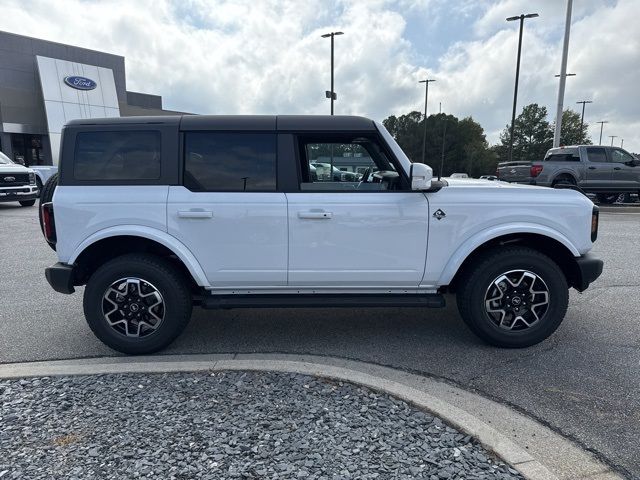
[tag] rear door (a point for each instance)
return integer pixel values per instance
(228, 211)
(599, 168)
(625, 175)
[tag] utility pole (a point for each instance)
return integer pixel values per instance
(515, 91)
(583, 102)
(331, 94)
(602, 122)
(563, 76)
(426, 82)
(612, 137)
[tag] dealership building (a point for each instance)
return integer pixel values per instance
(45, 84)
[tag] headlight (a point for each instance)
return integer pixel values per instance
(32, 178)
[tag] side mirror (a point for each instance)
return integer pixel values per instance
(421, 176)
(633, 163)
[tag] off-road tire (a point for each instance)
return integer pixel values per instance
(476, 279)
(168, 281)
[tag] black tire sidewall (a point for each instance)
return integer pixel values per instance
(27, 203)
(479, 280)
(176, 296)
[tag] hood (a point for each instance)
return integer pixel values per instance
(14, 167)
(476, 182)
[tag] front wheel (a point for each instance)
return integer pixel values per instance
(27, 203)
(607, 198)
(513, 297)
(137, 303)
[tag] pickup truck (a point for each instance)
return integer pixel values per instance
(156, 215)
(604, 171)
(17, 183)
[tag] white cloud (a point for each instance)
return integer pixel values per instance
(248, 56)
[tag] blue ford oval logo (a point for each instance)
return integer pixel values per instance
(81, 83)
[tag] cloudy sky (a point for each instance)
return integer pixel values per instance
(266, 56)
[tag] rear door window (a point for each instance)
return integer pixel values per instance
(230, 162)
(117, 155)
(596, 155)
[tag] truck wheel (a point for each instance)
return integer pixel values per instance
(27, 203)
(607, 198)
(137, 303)
(46, 195)
(513, 297)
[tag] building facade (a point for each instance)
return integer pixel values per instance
(45, 84)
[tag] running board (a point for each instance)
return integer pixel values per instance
(322, 300)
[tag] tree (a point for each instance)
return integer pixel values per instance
(465, 144)
(532, 135)
(571, 133)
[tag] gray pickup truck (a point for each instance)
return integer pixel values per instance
(604, 171)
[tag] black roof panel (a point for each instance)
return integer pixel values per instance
(228, 122)
(324, 122)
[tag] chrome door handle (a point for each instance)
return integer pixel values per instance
(617, 168)
(592, 168)
(315, 215)
(195, 214)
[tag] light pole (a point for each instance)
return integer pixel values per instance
(515, 91)
(563, 78)
(601, 122)
(583, 102)
(621, 142)
(331, 94)
(426, 82)
(612, 137)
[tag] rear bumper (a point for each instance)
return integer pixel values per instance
(589, 269)
(60, 276)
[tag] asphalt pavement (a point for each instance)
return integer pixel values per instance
(584, 381)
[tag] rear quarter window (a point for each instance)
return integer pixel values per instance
(563, 157)
(117, 155)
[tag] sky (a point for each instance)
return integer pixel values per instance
(267, 56)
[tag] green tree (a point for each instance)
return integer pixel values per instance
(571, 133)
(532, 135)
(465, 144)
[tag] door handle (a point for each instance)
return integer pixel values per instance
(195, 214)
(592, 168)
(315, 215)
(617, 168)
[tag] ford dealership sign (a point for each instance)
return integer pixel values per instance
(81, 83)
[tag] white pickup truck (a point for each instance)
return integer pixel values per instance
(17, 183)
(156, 215)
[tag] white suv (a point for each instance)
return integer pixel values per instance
(155, 215)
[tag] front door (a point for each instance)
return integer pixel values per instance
(599, 169)
(228, 212)
(626, 175)
(354, 230)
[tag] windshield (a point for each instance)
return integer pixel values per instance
(4, 160)
(395, 148)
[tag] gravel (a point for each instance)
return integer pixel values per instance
(225, 425)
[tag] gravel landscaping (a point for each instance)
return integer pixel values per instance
(225, 425)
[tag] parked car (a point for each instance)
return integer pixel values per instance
(459, 175)
(323, 169)
(17, 183)
(157, 215)
(604, 171)
(43, 173)
(488, 177)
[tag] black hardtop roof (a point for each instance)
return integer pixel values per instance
(241, 122)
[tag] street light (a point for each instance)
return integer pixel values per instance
(515, 92)
(612, 137)
(583, 102)
(426, 82)
(602, 122)
(621, 142)
(331, 94)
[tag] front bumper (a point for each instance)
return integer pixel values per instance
(589, 269)
(19, 194)
(60, 276)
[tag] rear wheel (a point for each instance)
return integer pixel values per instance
(513, 297)
(137, 303)
(564, 181)
(27, 203)
(607, 198)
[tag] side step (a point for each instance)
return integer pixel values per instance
(321, 300)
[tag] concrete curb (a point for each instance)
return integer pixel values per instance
(533, 449)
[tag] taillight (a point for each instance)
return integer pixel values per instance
(595, 215)
(48, 223)
(535, 170)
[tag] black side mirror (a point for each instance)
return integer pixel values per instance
(633, 163)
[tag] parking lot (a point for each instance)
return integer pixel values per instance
(584, 381)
